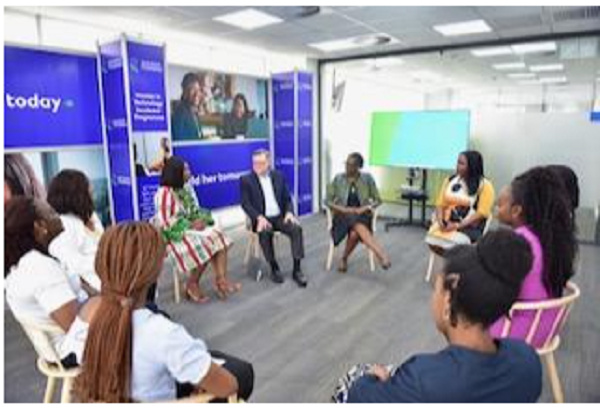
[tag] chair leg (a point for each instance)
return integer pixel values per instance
(430, 267)
(65, 395)
(248, 250)
(256, 246)
(554, 379)
(49, 394)
(372, 260)
(330, 255)
(176, 286)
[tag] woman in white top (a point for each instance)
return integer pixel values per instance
(70, 194)
(38, 290)
(133, 354)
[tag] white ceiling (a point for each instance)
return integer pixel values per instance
(412, 26)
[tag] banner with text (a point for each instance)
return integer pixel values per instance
(284, 139)
(116, 130)
(292, 136)
(50, 99)
(147, 87)
(304, 86)
(216, 170)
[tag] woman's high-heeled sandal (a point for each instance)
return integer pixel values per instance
(198, 298)
(221, 288)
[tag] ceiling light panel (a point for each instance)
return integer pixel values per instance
(248, 19)
(463, 28)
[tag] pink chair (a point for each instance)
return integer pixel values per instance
(559, 309)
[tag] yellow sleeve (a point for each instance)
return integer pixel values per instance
(486, 199)
(440, 202)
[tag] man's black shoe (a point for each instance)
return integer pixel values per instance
(276, 276)
(300, 278)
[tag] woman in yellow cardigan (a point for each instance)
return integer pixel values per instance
(463, 206)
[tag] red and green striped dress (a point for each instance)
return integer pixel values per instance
(195, 248)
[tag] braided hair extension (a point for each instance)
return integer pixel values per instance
(128, 261)
(547, 211)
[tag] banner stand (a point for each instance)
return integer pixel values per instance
(132, 74)
(292, 134)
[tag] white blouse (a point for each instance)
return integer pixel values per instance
(76, 248)
(38, 286)
(163, 352)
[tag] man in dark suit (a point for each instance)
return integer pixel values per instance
(266, 201)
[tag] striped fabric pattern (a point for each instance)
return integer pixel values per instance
(197, 247)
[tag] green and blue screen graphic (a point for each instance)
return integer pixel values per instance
(422, 139)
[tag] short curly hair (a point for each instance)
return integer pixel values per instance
(69, 193)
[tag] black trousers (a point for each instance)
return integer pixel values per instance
(241, 370)
(292, 230)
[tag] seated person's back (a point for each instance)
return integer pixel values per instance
(163, 352)
(133, 354)
(458, 374)
(477, 285)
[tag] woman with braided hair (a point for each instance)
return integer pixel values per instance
(477, 285)
(133, 354)
(192, 239)
(539, 208)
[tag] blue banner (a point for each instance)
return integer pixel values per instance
(305, 141)
(117, 133)
(292, 136)
(50, 99)
(284, 141)
(146, 65)
(217, 168)
(595, 116)
(215, 180)
(147, 186)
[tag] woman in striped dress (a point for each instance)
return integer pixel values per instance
(192, 240)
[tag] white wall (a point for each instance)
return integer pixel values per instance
(515, 128)
(349, 129)
(511, 143)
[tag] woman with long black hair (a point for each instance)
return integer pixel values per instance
(539, 208)
(463, 205)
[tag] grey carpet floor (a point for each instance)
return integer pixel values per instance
(301, 340)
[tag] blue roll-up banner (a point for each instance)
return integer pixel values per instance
(135, 112)
(147, 87)
(148, 113)
(304, 86)
(116, 130)
(292, 134)
(50, 99)
(284, 138)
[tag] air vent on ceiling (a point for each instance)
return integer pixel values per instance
(576, 13)
(308, 11)
(291, 13)
(370, 40)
